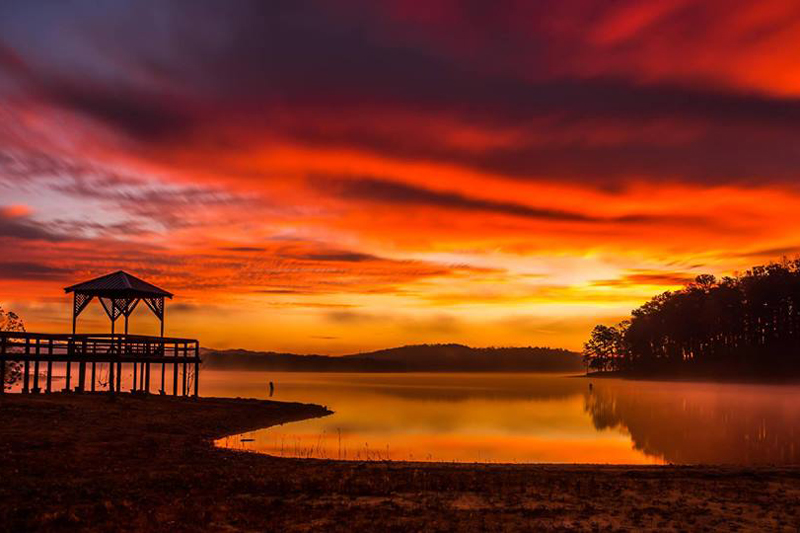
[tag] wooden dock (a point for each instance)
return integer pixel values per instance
(83, 353)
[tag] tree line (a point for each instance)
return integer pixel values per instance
(747, 324)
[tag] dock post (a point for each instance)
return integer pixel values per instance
(49, 384)
(119, 376)
(185, 353)
(36, 389)
(25, 388)
(94, 374)
(82, 368)
(68, 377)
(81, 377)
(26, 383)
(163, 382)
(196, 378)
(133, 388)
(3, 365)
(147, 378)
(111, 377)
(175, 376)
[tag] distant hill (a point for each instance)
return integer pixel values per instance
(417, 358)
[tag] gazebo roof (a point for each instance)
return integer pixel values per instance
(118, 284)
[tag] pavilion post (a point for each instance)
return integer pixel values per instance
(133, 387)
(163, 383)
(82, 365)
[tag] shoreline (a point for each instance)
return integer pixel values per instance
(85, 462)
(683, 378)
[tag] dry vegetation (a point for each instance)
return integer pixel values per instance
(80, 462)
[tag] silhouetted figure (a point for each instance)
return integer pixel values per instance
(271, 389)
(590, 386)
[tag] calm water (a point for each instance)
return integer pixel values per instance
(521, 418)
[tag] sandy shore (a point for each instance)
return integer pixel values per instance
(71, 462)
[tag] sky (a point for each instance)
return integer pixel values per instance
(330, 177)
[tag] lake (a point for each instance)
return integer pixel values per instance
(521, 418)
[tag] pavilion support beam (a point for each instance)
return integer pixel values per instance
(94, 375)
(68, 377)
(163, 382)
(175, 378)
(147, 378)
(133, 387)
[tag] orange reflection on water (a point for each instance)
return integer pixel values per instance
(523, 418)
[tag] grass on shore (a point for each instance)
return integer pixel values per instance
(83, 462)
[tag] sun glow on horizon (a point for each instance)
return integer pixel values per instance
(396, 175)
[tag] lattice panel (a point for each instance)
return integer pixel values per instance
(80, 302)
(113, 307)
(156, 305)
(130, 305)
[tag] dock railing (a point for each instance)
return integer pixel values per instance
(37, 350)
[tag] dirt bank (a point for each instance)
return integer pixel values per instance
(79, 462)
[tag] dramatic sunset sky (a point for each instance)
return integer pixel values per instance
(337, 176)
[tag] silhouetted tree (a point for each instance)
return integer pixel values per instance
(744, 324)
(605, 347)
(9, 321)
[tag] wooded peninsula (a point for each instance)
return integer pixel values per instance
(743, 326)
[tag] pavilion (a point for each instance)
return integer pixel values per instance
(119, 293)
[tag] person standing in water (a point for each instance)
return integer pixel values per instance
(271, 389)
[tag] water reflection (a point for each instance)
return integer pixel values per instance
(703, 423)
(521, 418)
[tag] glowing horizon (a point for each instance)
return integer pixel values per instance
(323, 178)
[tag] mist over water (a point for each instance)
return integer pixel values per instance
(521, 418)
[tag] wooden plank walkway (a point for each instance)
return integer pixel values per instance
(37, 350)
